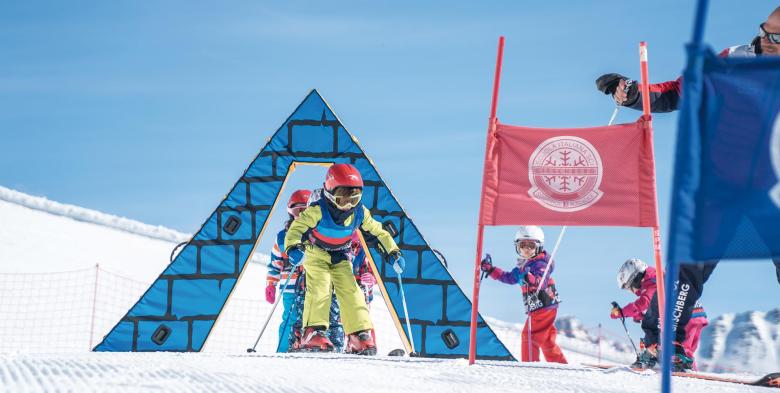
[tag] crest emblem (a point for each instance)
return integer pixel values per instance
(774, 153)
(565, 174)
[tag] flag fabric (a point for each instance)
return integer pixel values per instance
(598, 176)
(726, 196)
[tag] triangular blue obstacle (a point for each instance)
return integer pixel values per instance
(179, 310)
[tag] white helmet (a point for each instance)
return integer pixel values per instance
(530, 232)
(630, 270)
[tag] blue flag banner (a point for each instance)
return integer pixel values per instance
(726, 196)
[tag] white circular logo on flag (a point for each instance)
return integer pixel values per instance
(565, 174)
(774, 152)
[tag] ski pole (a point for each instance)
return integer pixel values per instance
(623, 321)
(614, 114)
(271, 313)
(406, 314)
(291, 314)
(530, 337)
(629, 82)
(552, 258)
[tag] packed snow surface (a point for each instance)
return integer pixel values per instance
(196, 372)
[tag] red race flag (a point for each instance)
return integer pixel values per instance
(599, 176)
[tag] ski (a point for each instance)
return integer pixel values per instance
(771, 380)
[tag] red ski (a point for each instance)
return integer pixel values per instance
(771, 380)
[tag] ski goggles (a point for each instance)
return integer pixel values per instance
(527, 244)
(771, 37)
(297, 209)
(345, 198)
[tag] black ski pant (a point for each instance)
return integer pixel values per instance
(690, 287)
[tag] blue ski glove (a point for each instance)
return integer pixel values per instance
(295, 254)
(398, 262)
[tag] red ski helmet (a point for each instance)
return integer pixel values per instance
(342, 175)
(343, 186)
(298, 202)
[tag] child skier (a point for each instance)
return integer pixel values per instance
(335, 331)
(541, 304)
(635, 276)
(323, 233)
(279, 268)
(365, 280)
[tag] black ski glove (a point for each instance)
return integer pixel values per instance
(608, 83)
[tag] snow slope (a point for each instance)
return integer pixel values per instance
(48, 253)
(40, 235)
(189, 372)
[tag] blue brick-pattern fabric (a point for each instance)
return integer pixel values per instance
(189, 295)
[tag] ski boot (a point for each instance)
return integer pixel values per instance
(315, 340)
(361, 343)
(647, 359)
(681, 362)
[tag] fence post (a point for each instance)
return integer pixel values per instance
(94, 302)
(599, 343)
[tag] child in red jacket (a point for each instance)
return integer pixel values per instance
(541, 304)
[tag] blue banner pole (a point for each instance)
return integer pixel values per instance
(687, 132)
(667, 348)
(698, 26)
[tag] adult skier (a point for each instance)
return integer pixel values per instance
(323, 234)
(541, 305)
(638, 278)
(665, 97)
(279, 268)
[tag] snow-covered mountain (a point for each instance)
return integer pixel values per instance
(571, 327)
(741, 342)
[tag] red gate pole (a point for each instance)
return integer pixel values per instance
(645, 86)
(480, 227)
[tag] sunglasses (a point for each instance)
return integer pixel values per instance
(771, 37)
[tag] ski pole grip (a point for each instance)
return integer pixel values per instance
(616, 305)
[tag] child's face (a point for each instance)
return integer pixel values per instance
(526, 248)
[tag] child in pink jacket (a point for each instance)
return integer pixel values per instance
(637, 277)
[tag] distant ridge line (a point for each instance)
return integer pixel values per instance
(78, 213)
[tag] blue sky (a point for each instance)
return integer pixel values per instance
(153, 110)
